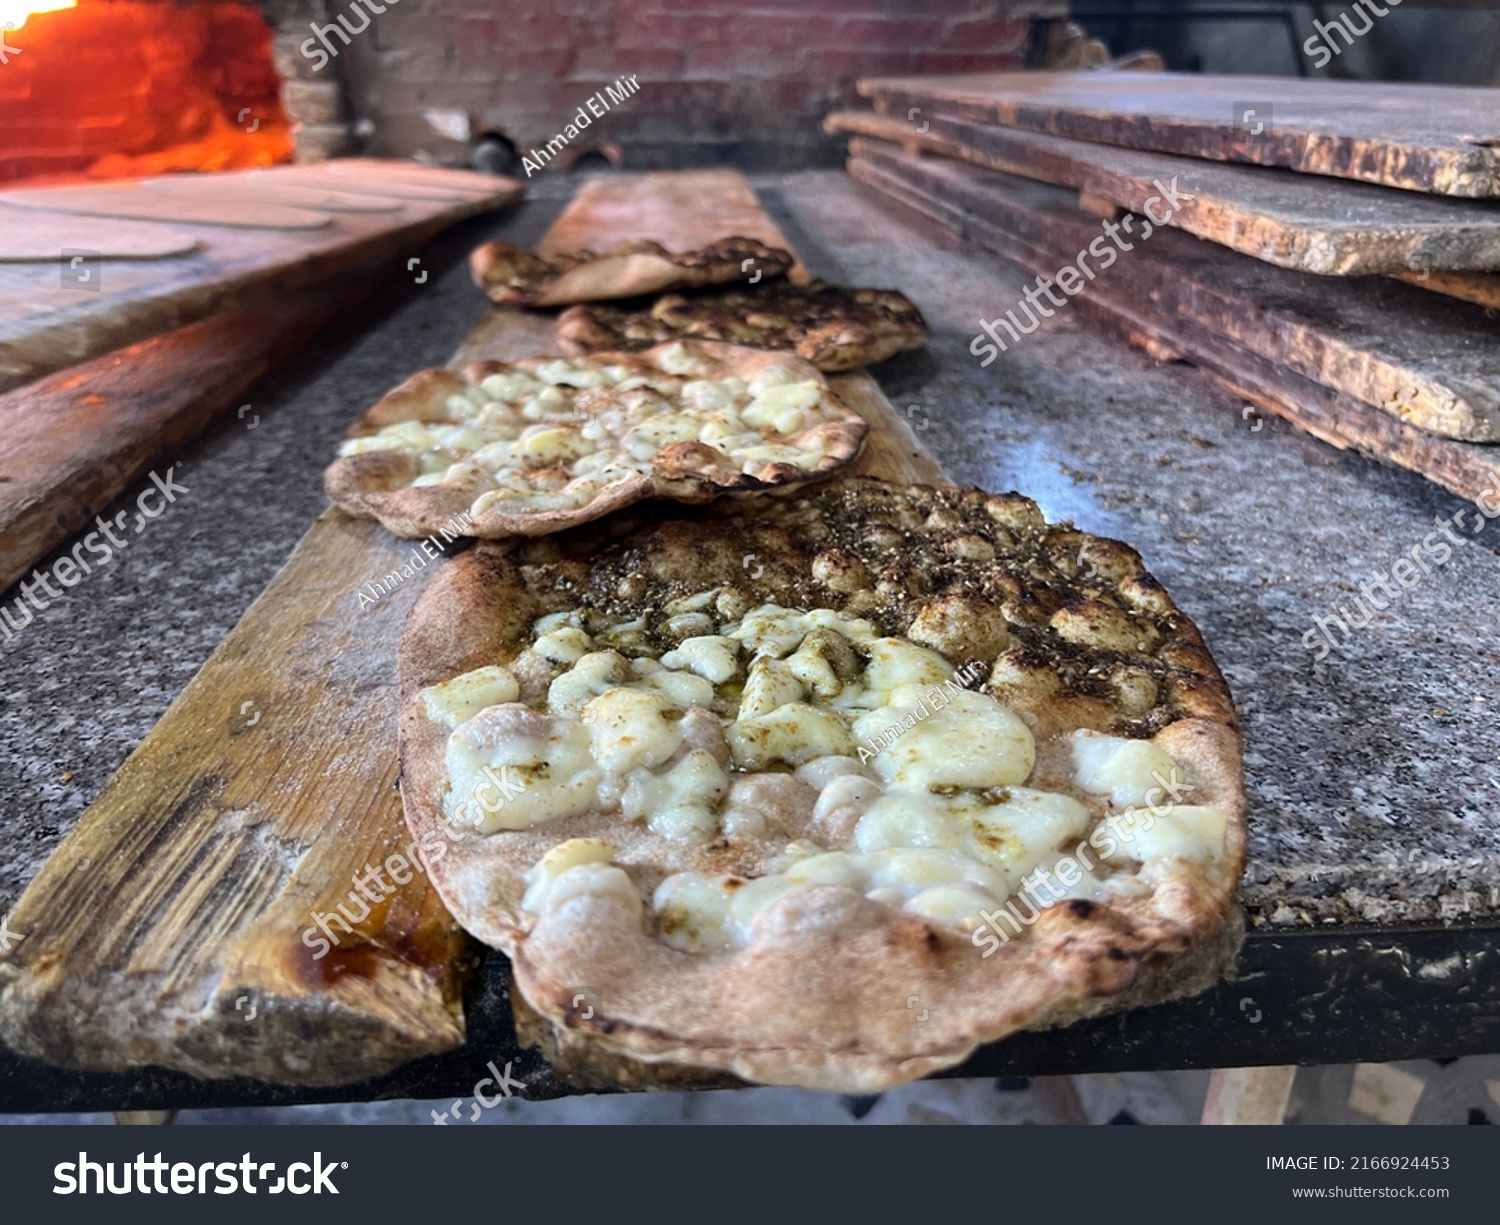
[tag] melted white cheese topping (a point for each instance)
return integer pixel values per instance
(553, 434)
(920, 780)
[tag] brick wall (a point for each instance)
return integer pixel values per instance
(746, 83)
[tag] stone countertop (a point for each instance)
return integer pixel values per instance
(1372, 772)
(1373, 781)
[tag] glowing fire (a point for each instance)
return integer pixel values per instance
(13, 13)
(138, 87)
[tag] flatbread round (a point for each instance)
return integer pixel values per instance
(535, 446)
(835, 329)
(513, 276)
(770, 928)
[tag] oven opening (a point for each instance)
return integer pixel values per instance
(105, 89)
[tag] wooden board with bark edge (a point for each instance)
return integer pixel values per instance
(1330, 228)
(1428, 138)
(1430, 362)
(1465, 469)
(186, 886)
(49, 321)
(1480, 288)
(72, 442)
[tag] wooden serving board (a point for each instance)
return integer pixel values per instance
(1030, 224)
(1292, 220)
(50, 319)
(1430, 138)
(1432, 363)
(189, 885)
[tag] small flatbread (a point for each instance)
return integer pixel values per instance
(762, 783)
(531, 447)
(513, 276)
(835, 329)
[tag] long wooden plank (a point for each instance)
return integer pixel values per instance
(189, 884)
(1430, 138)
(1430, 362)
(277, 192)
(1021, 236)
(176, 905)
(1312, 225)
(321, 176)
(72, 442)
(24, 244)
(1482, 289)
(364, 170)
(50, 320)
(684, 205)
(135, 201)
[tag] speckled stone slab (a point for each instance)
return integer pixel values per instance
(1372, 768)
(1374, 793)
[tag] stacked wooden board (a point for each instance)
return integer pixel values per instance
(181, 897)
(207, 281)
(1306, 225)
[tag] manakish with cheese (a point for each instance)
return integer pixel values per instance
(544, 443)
(655, 745)
(513, 276)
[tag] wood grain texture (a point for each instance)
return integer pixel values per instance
(70, 443)
(1431, 362)
(276, 193)
(1480, 288)
(191, 881)
(1465, 469)
(684, 210)
(327, 176)
(48, 322)
(1288, 219)
(164, 202)
(408, 174)
(1429, 138)
(23, 243)
(186, 887)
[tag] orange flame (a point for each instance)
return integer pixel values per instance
(13, 13)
